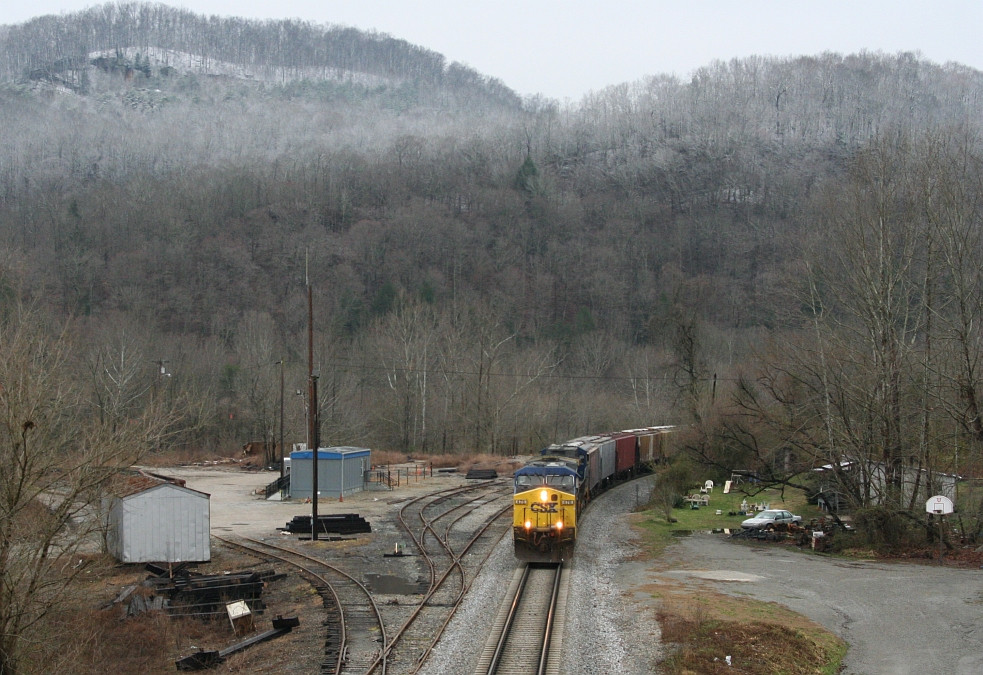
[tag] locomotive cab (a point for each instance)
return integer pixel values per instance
(544, 520)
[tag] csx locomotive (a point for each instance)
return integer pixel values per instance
(551, 491)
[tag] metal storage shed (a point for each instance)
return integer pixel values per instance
(340, 471)
(160, 522)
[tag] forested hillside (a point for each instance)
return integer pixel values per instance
(493, 274)
(59, 49)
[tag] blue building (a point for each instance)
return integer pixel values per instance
(340, 471)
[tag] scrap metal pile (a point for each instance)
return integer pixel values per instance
(817, 533)
(183, 593)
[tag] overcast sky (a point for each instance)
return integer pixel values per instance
(566, 49)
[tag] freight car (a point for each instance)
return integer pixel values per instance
(551, 491)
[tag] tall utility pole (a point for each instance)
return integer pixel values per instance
(314, 431)
(315, 434)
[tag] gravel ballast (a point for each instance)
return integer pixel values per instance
(603, 633)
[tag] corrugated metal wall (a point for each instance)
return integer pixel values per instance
(354, 462)
(166, 523)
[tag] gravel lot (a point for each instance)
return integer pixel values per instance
(897, 618)
(237, 508)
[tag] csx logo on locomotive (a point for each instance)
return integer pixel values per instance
(542, 508)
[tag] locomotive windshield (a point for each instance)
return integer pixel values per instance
(525, 481)
(568, 482)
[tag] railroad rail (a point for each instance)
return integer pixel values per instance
(355, 639)
(522, 640)
(443, 552)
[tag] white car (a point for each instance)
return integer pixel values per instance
(770, 517)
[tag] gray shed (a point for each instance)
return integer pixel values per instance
(159, 522)
(340, 471)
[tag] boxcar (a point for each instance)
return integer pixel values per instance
(626, 453)
(653, 443)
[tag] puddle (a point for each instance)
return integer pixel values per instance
(393, 585)
(686, 533)
(719, 575)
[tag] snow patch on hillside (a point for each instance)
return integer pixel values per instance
(187, 63)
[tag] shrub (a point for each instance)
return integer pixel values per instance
(882, 528)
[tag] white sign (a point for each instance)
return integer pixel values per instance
(939, 504)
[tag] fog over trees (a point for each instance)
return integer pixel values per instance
(780, 252)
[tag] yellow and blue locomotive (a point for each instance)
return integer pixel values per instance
(544, 516)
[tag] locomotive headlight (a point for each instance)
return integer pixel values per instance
(528, 524)
(544, 496)
(559, 524)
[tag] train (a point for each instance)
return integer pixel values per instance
(551, 491)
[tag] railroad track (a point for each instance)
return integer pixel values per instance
(446, 528)
(454, 532)
(443, 550)
(522, 640)
(355, 633)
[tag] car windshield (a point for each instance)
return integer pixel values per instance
(769, 515)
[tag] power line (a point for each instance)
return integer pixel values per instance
(349, 367)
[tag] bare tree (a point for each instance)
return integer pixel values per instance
(955, 213)
(855, 390)
(257, 383)
(407, 349)
(58, 458)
